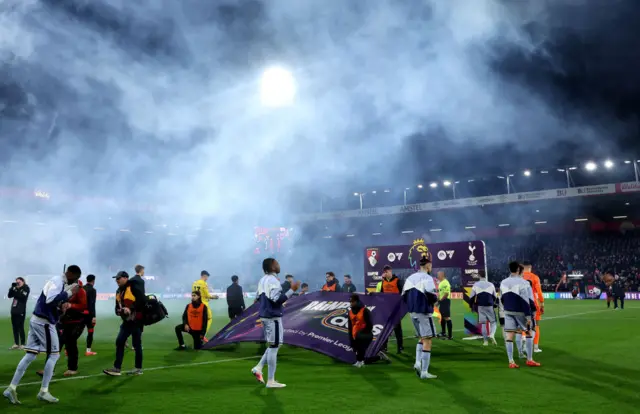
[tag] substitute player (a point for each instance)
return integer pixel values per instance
(483, 298)
(90, 321)
(538, 299)
(42, 337)
(420, 294)
(515, 295)
(271, 299)
(201, 286)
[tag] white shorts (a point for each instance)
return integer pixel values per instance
(42, 338)
(486, 314)
(515, 323)
(273, 331)
(423, 325)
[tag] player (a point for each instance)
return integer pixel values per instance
(42, 335)
(515, 295)
(201, 286)
(483, 298)
(420, 294)
(538, 299)
(271, 299)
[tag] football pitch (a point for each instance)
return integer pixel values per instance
(590, 364)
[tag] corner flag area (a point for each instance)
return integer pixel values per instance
(589, 364)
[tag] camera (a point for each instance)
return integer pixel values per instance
(14, 284)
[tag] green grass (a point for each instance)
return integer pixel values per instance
(590, 365)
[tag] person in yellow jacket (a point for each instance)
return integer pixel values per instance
(201, 286)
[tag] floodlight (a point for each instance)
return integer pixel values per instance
(591, 166)
(277, 87)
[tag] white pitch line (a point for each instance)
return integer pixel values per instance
(192, 364)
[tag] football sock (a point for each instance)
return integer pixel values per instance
(537, 335)
(449, 327)
(426, 359)
(443, 324)
(529, 346)
(272, 361)
(509, 344)
(24, 363)
(519, 343)
(48, 371)
(493, 329)
(263, 360)
(483, 330)
(418, 353)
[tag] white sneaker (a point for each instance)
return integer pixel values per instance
(493, 341)
(11, 395)
(46, 396)
(522, 355)
(485, 343)
(14, 347)
(426, 375)
(383, 356)
(275, 384)
(537, 350)
(417, 368)
(257, 372)
(359, 364)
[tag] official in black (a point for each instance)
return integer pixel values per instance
(618, 293)
(90, 321)
(19, 292)
(235, 298)
(348, 286)
(288, 279)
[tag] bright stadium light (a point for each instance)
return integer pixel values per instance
(608, 164)
(446, 183)
(527, 173)
(374, 192)
(627, 162)
(419, 185)
(356, 194)
(277, 87)
(433, 185)
(591, 166)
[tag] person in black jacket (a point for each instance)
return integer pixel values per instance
(194, 322)
(19, 292)
(348, 286)
(617, 288)
(90, 321)
(235, 298)
(361, 331)
(288, 279)
(129, 306)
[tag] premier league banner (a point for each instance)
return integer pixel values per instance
(319, 322)
(469, 257)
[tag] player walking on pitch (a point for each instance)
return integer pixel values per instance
(271, 299)
(483, 298)
(516, 297)
(538, 299)
(420, 294)
(42, 337)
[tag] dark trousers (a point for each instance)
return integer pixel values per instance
(360, 344)
(615, 301)
(397, 330)
(17, 323)
(196, 335)
(234, 312)
(68, 335)
(133, 330)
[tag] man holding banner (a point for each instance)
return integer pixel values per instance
(392, 285)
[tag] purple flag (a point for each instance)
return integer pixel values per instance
(319, 321)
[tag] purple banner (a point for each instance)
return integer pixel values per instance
(469, 257)
(319, 321)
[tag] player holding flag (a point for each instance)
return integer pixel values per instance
(420, 294)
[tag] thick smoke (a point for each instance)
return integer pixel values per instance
(156, 103)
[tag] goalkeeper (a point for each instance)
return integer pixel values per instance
(201, 286)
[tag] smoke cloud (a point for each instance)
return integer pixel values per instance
(157, 103)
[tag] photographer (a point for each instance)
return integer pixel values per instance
(19, 292)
